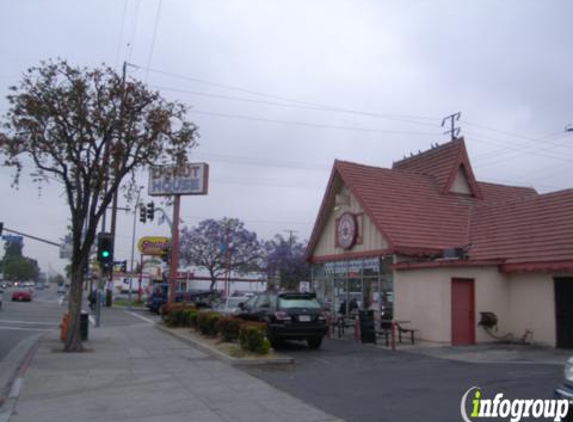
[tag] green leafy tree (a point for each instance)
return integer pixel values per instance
(91, 130)
(57, 279)
(21, 269)
(16, 266)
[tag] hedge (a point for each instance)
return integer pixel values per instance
(229, 328)
(253, 337)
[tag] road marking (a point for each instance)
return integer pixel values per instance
(27, 329)
(140, 317)
(26, 322)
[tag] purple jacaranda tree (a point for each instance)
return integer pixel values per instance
(286, 258)
(219, 246)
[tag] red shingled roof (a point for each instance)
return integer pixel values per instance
(531, 229)
(408, 208)
(412, 208)
(442, 163)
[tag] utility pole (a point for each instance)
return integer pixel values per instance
(174, 250)
(454, 131)
(114, 203)
(132, 266)
(290, 237)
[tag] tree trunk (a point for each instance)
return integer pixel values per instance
(73, 341)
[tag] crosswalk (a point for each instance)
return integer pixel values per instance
(27, 325)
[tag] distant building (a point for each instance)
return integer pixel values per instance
(428, 243)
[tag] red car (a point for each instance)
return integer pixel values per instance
(21, 296)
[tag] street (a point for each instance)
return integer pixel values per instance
(362, 383)
(19, 320)
(354, 382)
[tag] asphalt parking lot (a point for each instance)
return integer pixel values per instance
(362, 383)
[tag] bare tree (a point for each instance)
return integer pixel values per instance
(89, 129)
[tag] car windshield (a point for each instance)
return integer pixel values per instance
(298, 302)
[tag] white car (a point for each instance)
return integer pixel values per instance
(231, 305)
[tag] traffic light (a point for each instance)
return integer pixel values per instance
(142, 213)
(105, 249)
(124, 267)
(150, 211)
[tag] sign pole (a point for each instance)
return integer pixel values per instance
(174, 250)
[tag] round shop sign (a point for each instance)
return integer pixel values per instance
(346, 230)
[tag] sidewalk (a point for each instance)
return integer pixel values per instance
(138, 373)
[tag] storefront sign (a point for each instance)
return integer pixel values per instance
(153, 245)
(188, 179)
(355, 266)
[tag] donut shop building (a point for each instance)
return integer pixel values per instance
(426, 242)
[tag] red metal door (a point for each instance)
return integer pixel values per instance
(463, 311)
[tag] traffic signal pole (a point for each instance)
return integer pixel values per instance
(174, 250)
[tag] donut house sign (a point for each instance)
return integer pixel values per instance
(187, 179)
(153, 245)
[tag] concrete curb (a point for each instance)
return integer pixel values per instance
(12, 370)
(223, 357)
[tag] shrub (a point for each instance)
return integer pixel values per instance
(252, 337)
(229, 328)
(193, 318)
(179, 316)
(167, 309)
(207, 323)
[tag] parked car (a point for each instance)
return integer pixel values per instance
(289, 316)
(158, 297)
(231, 305)
(565, 390)
(21, 295)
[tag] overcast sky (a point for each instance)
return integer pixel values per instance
(279, 89)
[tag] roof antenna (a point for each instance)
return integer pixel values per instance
(454, 131)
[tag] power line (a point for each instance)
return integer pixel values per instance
(402, 117)
(155, 27)
(305, 124)
(133, 30)
(298, 223)
(118, 52)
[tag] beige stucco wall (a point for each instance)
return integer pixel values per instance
(532, 304)
(424, 298)
(460, 184)
(371, 238)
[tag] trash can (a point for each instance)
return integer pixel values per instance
(108, 298)
(84, 326)
(367, 328)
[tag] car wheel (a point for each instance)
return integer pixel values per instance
(314, 343)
